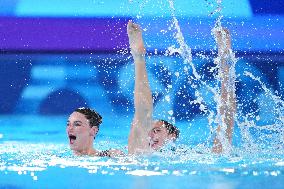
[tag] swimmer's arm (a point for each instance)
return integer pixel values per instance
(228, 98)
(138, 141)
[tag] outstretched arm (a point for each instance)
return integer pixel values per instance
(227, 107)
(138, 141)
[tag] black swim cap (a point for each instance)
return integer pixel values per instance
(94, 117)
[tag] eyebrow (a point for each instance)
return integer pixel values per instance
(156, 128)
(75, 122)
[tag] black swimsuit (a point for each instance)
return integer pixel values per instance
(104, 153)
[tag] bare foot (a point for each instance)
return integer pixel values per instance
(135, 39)
(223, 39)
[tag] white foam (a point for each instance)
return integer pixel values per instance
(24, 168)
(281, 163)
(144, 173)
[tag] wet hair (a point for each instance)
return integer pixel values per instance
(170, 128)
(94, 117)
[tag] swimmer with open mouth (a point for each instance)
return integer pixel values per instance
(82, 128)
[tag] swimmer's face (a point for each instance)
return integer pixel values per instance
(79, 132)
(159, 135)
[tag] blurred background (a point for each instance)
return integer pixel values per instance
(58, 55)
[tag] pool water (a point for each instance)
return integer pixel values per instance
(34, 150)
(34, 153)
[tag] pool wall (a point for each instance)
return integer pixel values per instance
(52, 63)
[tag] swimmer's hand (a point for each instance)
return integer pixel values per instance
(135, 39)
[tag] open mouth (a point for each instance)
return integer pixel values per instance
(72, 138)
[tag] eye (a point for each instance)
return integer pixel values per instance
(77, 124)
(156, 130)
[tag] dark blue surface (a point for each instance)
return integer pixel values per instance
(14, 76)
(62, 101)
(106, 83)
(261, 7)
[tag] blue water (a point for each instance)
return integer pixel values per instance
(34, 154)
(34, 151)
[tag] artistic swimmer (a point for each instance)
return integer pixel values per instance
(148, 135)
(82, 128)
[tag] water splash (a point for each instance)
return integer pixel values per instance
(270, 137)
(218, 9)
(184, 50)
(39, 160)
(218, 119)
(196, 82)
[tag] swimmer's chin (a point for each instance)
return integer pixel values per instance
(155, 147)
(73, 147)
